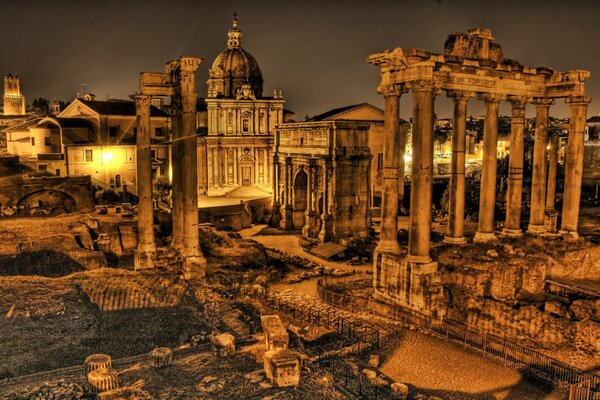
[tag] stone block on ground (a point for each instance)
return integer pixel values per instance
(282, 368)
(223, 344)
(399, 390)
(374, 360)
(276, 336)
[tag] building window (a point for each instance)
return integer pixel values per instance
(245, 125)
(113, 130)
(42, 167)
(33, 141)
(88, 155)
(159, 131)
(153, 153)
(48, 141)
(380, 162)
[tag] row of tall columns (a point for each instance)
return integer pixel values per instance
(146, 243)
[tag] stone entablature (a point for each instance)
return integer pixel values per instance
(462, 69)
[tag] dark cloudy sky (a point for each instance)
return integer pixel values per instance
(314, 51)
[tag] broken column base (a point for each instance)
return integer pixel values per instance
(484, 237)
(161, 357)
(143, 259)
(194, 267)
(97, 361)
(455, 240)
(414, 285)
(551, 221)
(282, 368)
(568, 235)
(510, 232)
(536, 229)
(103, 379)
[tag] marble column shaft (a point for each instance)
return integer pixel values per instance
(177, 175)
(146, 243)
(487, 195)
(552, 172)
(538, 179)
(391, 163)
(419, 233)
(456, 208)
(514, 194)
(574, 165)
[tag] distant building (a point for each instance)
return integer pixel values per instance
(365, 112)
(90, 137)
(14, 101)
(240, 123)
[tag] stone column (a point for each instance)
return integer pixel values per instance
(487, 194)
(538, 179)
(194, 262)
(388, 242)
(456, 209)
(276, 206)
(574, 165)
(419, 234)
(177, 174)
(552, 172)
(309, 213)
(146, 244)
(514, 195)
(288, 211)
(325, 232)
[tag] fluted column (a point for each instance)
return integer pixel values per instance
(514, 195)
(456, 209)
(288, 211)
(391, 162)
(325, 232)
(574, 165)
(538, 179)
(419, 234)
(146, 243)
(487, 194)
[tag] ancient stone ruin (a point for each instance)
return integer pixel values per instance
(472, 64)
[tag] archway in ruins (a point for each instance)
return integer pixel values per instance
(44, 202)
(299, 198)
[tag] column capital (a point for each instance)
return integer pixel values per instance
(578, 100)
(518, 101)
(422, 85)
(542, 102)
(142, 102)
(460, 95)
(491, 97)
(392, 90)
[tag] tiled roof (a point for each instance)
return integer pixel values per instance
(119, 107)
(595, 118)
(335, 111)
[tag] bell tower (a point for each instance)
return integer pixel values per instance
(14, 101)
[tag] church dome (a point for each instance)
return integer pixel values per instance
(233, 69)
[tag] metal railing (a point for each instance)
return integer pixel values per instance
(512, 354)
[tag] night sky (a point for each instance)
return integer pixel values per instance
(314, 51)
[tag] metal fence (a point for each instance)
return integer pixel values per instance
(528, 361)
(325, 293)
(353, 384)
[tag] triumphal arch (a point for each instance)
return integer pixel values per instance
(471, 66)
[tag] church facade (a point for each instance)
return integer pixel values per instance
(237, 148)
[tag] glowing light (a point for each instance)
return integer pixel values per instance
(107, 156)
(407, 158)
